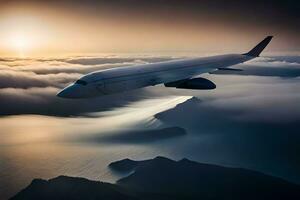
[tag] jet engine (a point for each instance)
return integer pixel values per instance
(195, 84)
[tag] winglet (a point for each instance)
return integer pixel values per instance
(259, 48)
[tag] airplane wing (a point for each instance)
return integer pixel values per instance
(198, 83)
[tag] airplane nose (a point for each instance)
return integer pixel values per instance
(70, 92)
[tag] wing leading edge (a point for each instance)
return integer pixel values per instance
(202, 83)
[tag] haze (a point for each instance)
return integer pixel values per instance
(43, 28)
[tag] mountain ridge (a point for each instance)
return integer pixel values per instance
(163, 178)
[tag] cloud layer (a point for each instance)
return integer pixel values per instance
(29, 86)
(250, 120)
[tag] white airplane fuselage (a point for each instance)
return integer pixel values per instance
(122, 79)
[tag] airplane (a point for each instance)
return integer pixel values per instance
(183, 74)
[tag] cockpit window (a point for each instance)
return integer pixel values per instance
(81, 82)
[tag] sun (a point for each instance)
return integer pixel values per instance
(20, 43)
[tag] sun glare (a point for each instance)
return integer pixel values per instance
(20, 43)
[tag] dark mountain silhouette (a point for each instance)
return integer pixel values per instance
(162, 178)
(64, 187)
(187, 178)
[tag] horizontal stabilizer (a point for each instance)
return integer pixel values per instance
(259, 48)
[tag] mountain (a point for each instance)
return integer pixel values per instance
(63, 188)
(162, 178)
(189, 179)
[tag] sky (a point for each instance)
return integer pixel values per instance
(44, 28)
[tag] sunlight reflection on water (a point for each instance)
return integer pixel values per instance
(34, 146)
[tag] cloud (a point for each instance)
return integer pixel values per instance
(81, 65)
(288, 59)
(31, 85)
(137, 136)
(43, 101)
(115, 60)
(53, 66)
(260, 99)
(247, 121)
(273, 109)
(20, 79)
(238, 132)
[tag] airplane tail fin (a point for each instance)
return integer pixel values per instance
(259, 48)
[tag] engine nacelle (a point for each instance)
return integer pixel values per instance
(195, 84)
